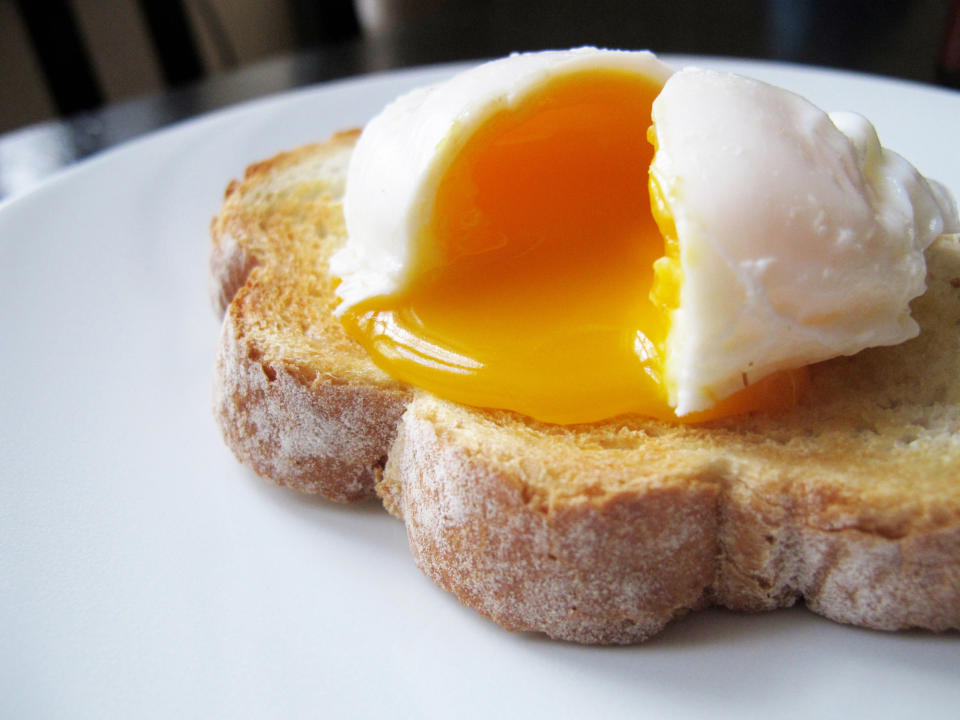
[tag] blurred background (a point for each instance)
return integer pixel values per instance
(82, 75)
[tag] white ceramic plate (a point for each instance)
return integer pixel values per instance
(144, 573)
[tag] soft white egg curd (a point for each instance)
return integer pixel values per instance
(575, 235)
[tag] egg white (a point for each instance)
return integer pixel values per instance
(801, 238)
(404, 151)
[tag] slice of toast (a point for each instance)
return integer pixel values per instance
(298, 401)
(601, 532)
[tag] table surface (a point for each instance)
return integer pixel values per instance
(902, 39)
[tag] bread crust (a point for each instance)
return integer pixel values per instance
(295, 398)
(304, 431)
(610, 571)
(601, 533)
(616, 568)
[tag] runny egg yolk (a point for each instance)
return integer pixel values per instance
(532, 282)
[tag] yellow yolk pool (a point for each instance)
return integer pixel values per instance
(533, 279)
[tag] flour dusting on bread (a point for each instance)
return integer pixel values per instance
(603, 532)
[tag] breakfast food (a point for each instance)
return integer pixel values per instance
(599, 531)
(500, 238)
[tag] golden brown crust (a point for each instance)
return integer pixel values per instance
(602, 532)
(611, 571)
(309, 433)
(296, 400)
(616, 566)
(884, 583)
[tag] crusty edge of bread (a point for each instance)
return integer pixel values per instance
(613, 569)
(619, 568)
(313, 433)
(581, 573)
(230, 265)
(305, 428)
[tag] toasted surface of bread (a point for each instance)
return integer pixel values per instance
(298, 401)
(601, 532)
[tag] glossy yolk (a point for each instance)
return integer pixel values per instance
(534, 273)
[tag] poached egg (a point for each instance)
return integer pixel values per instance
(579, 234)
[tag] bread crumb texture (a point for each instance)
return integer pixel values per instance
(599, 533)
(296, 399)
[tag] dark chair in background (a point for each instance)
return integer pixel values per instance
(71, 77)
(844, 33)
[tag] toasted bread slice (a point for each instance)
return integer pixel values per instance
(297, 400)
(602, 532)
